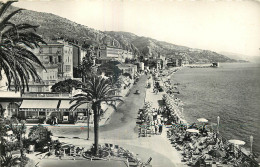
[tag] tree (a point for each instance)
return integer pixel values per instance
(18, 129)
(85, 69)
(8, 145)
(40, 136)
(16, 60)
(65, 86)
(111, 70)
(95, 91)
(5, 152)
(127, 75)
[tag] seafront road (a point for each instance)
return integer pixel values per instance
(122, 130)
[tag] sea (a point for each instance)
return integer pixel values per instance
(231, 91)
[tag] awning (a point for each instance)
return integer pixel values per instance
(42, 104)
(65, 104)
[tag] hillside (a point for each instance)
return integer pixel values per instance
(53, 27)
(148, 46)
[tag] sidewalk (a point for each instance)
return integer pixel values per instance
(161, 143)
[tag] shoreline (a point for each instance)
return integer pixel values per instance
(182, 117)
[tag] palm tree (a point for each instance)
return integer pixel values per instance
(87, 64)
(16, 60)
(95, 91)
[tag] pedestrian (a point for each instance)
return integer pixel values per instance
(59, 154)
(56, 120)
(156, 128)
(52, 121)
(153, 127)
(159, 119)
(160, 128)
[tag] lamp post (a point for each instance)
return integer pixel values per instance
(88, 124)
(218, 119)
(251, 144)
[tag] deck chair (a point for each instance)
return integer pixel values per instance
(148, 161)
(148, 132)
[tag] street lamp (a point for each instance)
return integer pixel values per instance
(251, 144)
(88, 122)
(218, 118)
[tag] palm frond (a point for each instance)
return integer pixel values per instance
(77, 104)
(5, 6)
(6, 19)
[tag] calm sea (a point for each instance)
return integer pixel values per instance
(231, 91)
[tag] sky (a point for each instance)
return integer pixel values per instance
(217, 25)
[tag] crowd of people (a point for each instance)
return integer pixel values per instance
(150, 120)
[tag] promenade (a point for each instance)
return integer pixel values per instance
(122, 130)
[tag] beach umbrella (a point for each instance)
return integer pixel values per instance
(9, 132)
(192, 130)
(203, 120)
(237, 142)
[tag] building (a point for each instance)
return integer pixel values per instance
(177, 59)
(45, 109)
(59, 58)
(141, 66)
(38, 108)
(106, 53)
(157, 63)
(128, 68)
(127, 55)
(174, 62)
(78, 53)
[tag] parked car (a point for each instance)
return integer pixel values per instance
(137, 92)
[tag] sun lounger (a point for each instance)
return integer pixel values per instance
(111, 146)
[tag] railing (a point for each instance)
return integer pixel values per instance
(46, 95)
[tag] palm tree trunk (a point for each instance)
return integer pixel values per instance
(21, 146)
(96, 129)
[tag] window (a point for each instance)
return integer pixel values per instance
(39, 89)
(51, 59)
(32, 114)
(42, 113)
(59, 59)
(59, 51)
(67, 68)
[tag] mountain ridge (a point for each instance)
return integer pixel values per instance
(55, 27)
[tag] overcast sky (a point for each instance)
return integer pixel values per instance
(231, 26)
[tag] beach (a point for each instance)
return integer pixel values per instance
(230, 91)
